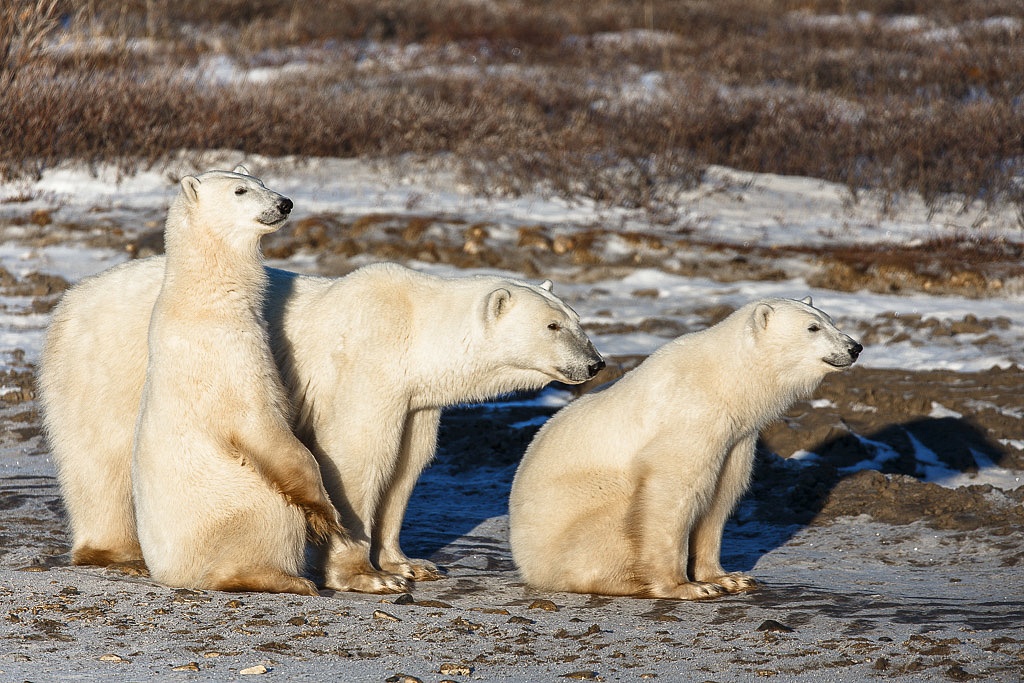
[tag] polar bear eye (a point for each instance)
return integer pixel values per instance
(241, 190)
(814, 327)
(555, 327)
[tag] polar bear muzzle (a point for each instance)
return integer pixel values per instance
(278, 213)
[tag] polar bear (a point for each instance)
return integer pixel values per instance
(369, 360)
(221, 485)
(626, 491)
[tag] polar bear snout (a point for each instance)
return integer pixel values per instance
(585, 366)
(847, 357)
(278, 213)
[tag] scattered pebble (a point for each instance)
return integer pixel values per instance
(455, 669)
(402, 678)
(581, 675)
(191, 666)
(432, 603)
(110, 657)
(772, 626)
(254, 670)
(545, 605)
(384, 616)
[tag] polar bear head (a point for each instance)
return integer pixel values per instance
(232, 206)
(799, 341)
(539, 334)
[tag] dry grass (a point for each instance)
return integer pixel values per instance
(575, 98)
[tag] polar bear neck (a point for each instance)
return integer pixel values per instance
(746, 392)
(209, 266)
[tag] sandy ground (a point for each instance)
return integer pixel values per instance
(867, 573)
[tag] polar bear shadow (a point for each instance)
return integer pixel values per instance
(898, 473)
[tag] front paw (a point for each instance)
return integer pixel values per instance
(378, 582)
(417, 570)
(734, 582)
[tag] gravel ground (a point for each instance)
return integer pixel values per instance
(867, 573)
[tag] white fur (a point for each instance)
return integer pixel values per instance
(369, 360)
(215, 464)
(626, 491)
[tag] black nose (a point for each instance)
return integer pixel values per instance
(855, 350)
(595, 368)
(284, 205)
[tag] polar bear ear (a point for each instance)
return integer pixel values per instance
(762, 312)
(807, 300)
(241, 170)
(190, 186)
(546, 285)
(498, 302)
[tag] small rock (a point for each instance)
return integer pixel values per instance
(254, 670)
(191, 666)
(402, 678)
(110, 657)
(466, 624)
(520, 620)
(648, 675)
(957, 673)
(545, 605)
(455, 669)
(233, 603)
(384, 616)
(772, 626)
(489, 610)
(581, 675)
(404, 599)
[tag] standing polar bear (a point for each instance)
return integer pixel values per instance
(369, 361)
(627, 491)
(222, 487)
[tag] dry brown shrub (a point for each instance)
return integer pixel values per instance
(533, 95)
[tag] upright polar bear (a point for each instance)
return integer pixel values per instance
(216, 466)
(626, 491)
(369, 361)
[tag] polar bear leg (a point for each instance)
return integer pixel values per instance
(706, 537)
(358, 455)
(347, 567)
(660, 525)
(99, 505)
(419, 441)
(288, 466)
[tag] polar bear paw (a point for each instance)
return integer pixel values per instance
(697, 590)
(371, 581)
(417, 570)
(734, 582)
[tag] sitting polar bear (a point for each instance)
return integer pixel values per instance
(626, 491)
(215, 463)
(369, 361)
